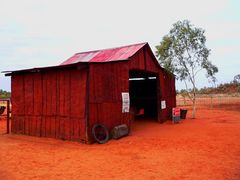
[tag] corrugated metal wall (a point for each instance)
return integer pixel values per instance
(107, 82)
(66, 103)
(50, 104)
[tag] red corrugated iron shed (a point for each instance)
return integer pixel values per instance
(65, 101)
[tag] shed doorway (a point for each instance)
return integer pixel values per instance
(143, 95)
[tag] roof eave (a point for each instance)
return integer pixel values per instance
(40, 69)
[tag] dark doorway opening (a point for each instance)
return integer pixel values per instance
(143, 94)
(5, 115)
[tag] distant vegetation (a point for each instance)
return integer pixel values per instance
(232, 87)
(4, 94)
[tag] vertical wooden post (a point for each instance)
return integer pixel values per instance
(8, 116)
(211, 101)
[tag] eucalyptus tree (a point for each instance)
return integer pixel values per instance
(236, 79)
(183, 52)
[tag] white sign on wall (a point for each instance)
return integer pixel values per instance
(163, 104)
(125, 102)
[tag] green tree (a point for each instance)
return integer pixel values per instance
(236, 79)
(184, 53)
(4, 94)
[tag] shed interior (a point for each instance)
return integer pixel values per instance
(143, 94)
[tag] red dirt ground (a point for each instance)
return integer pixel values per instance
(204, 148)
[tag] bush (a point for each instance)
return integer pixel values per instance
(4, 94)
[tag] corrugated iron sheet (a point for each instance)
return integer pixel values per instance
(105, 55)
(65, 101)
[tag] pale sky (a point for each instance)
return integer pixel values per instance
(47, 32)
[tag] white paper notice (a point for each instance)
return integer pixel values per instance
(125, 102)
(163, 104)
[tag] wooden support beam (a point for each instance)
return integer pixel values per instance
(8, 116)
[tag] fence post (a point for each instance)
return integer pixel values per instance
(8, 112)
(211, 102)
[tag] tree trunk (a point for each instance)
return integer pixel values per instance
(194, 107)
(194, 103)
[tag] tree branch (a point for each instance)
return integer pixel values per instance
(198, 71)
(188, 94)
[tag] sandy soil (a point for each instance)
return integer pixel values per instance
(204, 148)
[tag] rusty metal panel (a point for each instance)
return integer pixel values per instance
(137, 61)
(37, 92)
(78, 98)
(77, 93)
(28, 94)
(151, 64)
(105, 55)
(18, 105)
(107, 81)
(28, 102)
(38, 120)
(64, 93)
(18, 95)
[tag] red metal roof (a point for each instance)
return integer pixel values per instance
(105, 55)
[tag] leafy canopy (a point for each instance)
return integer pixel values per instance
(184, 53)
(236, 79)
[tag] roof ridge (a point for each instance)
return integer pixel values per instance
(93, 51)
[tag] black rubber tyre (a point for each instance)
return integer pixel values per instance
(2, 109)
(100, 133)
